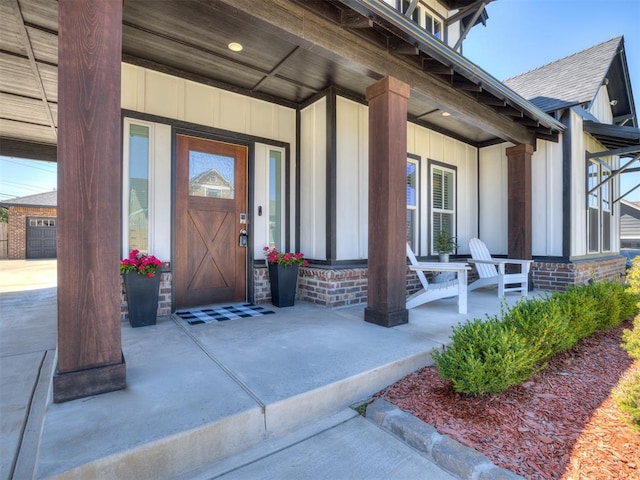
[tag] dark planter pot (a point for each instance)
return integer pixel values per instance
(283, 284)
(142, 298)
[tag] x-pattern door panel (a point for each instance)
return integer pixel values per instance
(210, 195)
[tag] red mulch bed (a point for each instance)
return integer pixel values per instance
(562, 424)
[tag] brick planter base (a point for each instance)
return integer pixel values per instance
(340, 287)
(558, 276)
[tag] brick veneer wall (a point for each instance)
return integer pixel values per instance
(339, 287)
(17, 235)
(164, 298)
(330, 287)
(558, 276)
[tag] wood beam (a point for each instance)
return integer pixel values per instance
(464, 84)
(34, 66)
(617, 151)
(345, 47)
(400, 47)
(470, 25)
(89, 205)
(431, 65)
(508, 110)
(520, 233)
(10, 147)
(351, 19)
(387, 264)
(490, 100)
(527, 121)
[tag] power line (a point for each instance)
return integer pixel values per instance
(37, 167)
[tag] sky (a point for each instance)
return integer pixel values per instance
(520, 35)
(19, 178)
(525, 34)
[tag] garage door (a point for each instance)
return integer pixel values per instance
(41, 237)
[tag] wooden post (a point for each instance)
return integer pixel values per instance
(387, 265)
(520, 234)
(90, 357)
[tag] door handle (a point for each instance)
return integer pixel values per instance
(242, 240)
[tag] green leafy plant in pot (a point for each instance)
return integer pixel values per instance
(444, 243)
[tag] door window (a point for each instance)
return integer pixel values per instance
(211, 175)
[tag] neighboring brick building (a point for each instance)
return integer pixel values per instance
(32, 226)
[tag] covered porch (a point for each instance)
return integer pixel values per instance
(295, 54)
(200, 394)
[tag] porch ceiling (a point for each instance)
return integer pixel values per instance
(190, 39)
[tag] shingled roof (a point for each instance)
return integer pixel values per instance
(569, 81)
(47, 199)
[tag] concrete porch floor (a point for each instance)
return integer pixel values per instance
(199, 396)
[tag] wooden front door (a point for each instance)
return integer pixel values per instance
(211, 194)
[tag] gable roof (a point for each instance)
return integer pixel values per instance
(47, 199)
(570, 81)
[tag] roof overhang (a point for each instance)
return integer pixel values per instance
(289, 59)
(394, 21)
(615, 136)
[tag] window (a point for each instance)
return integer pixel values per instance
(433, 26)
(442, 201)
(42, 222)
(598, 207)
(412, 203)
(211, 175)
(276, 199)
(138, 188)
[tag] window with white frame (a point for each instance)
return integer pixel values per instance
(137, 183)
(443, 213)
(412, 203)
(599, 204)
(276, 198)
(433, 25)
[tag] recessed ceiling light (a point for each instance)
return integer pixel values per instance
(235, 47)
(446, 114)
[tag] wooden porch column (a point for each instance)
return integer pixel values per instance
(90, 357)
(387, 264)
(520, 236)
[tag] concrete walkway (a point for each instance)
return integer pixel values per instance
(264, 397)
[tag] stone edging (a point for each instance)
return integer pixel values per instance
(445, 452)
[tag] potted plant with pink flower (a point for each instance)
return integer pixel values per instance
(283, 275)
(142, 286)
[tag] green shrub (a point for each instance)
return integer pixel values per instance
(627, 397)
(541, 322)
(631, 339)
(487, 357)
(633, 277)
(579, 309)
(490, 356)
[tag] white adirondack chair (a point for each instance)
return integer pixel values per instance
(434, 291)
(492, 271)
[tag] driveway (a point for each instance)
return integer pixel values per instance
(28, 326)
(21, 275)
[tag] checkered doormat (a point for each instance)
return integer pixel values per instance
(220, 314)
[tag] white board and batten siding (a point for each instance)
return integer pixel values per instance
(352, 155)
(313, 180)
(452, 153)
(493, 197)
(156, 93)
(547, 195)
(547, 199)
(600, 106)
(352, 149)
